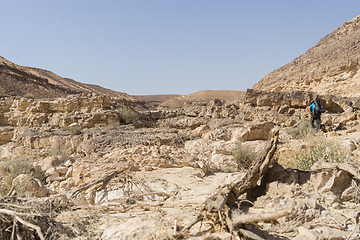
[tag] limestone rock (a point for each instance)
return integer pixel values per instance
(320, 233)
(6, 134)
(334, 181)
(218, 134)
(240, 135)
(200, 130)
(260, 131)
(50, 162)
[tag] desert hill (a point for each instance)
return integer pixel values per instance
(211, 94)
(177, 101)
(18, 80)
(330, 67)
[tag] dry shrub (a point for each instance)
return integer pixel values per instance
(40, 212)
(75, 130)
(111, 124)
(244, 155)
(14, 168)
(29, 96)
(301, 130)
(313, 148)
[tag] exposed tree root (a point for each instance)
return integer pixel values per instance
(221, 206)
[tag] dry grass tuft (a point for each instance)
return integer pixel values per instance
(29, 96)
(304, 154)
(301, 130)
(244, 155)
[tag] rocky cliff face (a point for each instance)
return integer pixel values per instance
(18, 80)
(330, 67)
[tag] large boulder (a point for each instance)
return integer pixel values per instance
(51, 162)
(253, 131)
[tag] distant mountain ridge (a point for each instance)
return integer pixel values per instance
(331, 67)
(16, 80)
(177, 101)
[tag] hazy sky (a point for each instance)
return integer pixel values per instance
(166, 46)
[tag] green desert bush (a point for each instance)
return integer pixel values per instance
(228, 169)
(244, 155)
(29, 96)
(314, 148)
(14, 168)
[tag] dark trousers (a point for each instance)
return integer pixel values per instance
(315, 117)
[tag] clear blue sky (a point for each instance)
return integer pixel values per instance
(166, 46)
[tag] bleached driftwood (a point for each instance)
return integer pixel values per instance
(260, 217)
(250, 234)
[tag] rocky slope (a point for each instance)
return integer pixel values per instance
(114, 173)
(330, 67)
(18, 80)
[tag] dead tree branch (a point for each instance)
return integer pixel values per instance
(217, 208)
(30, 225)
(33, 226)
(105, 180)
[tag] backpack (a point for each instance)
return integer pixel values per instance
(318, 109)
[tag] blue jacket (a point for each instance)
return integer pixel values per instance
(312, 107)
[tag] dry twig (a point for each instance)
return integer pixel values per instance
(33, 226)
(30, 225)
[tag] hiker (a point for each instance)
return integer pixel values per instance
(316, 109)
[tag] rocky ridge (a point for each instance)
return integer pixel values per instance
(18, 80)
(331, 67)
(115, 173)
